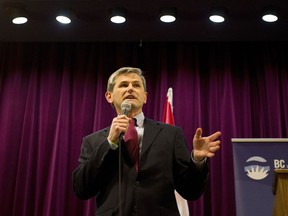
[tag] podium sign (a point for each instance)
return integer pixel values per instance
(254, 164)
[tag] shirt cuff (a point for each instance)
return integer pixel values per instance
(113, 145)
(198, 164)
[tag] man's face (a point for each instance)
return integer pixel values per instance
(128, 87)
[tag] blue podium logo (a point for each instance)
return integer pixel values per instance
(257, 169)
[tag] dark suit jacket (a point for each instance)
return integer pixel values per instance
(164, 165)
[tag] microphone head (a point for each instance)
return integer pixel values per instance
(125, 107)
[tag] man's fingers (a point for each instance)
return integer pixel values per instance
(210, 155)
(215, 136)
(213, 149)
(120, 124)
(215, 143)
(198, 133)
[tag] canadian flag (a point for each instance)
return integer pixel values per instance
(168, 118)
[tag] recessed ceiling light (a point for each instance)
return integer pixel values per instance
(217, 18)
(63, 19)
(65, 16)
(18, 16)
(217, 15)
(118, 16)
(270, 14)
(270, 18)
(168, 15)
(19, 20)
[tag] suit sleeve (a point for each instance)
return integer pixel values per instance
(189, 180)
(94, 157)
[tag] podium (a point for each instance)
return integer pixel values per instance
(280, 190)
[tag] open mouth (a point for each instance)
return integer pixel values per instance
(129, 97)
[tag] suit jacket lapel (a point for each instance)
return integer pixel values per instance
(151, 130)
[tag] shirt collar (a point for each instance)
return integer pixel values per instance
(140, 119)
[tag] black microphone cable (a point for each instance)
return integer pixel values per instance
(125, 109)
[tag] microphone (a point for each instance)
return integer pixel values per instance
(125, 109)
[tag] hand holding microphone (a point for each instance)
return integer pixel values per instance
(120, 123)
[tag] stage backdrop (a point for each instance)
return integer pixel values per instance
(254, 164)
(52, 94)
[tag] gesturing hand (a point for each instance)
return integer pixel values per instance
(205, 146)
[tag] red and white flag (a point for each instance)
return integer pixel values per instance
(168, 118)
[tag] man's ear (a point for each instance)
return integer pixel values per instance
(145, 99)
(108, 97)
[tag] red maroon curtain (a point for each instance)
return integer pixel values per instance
(52, 94)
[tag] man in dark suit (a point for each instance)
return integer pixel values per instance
(164, 165)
